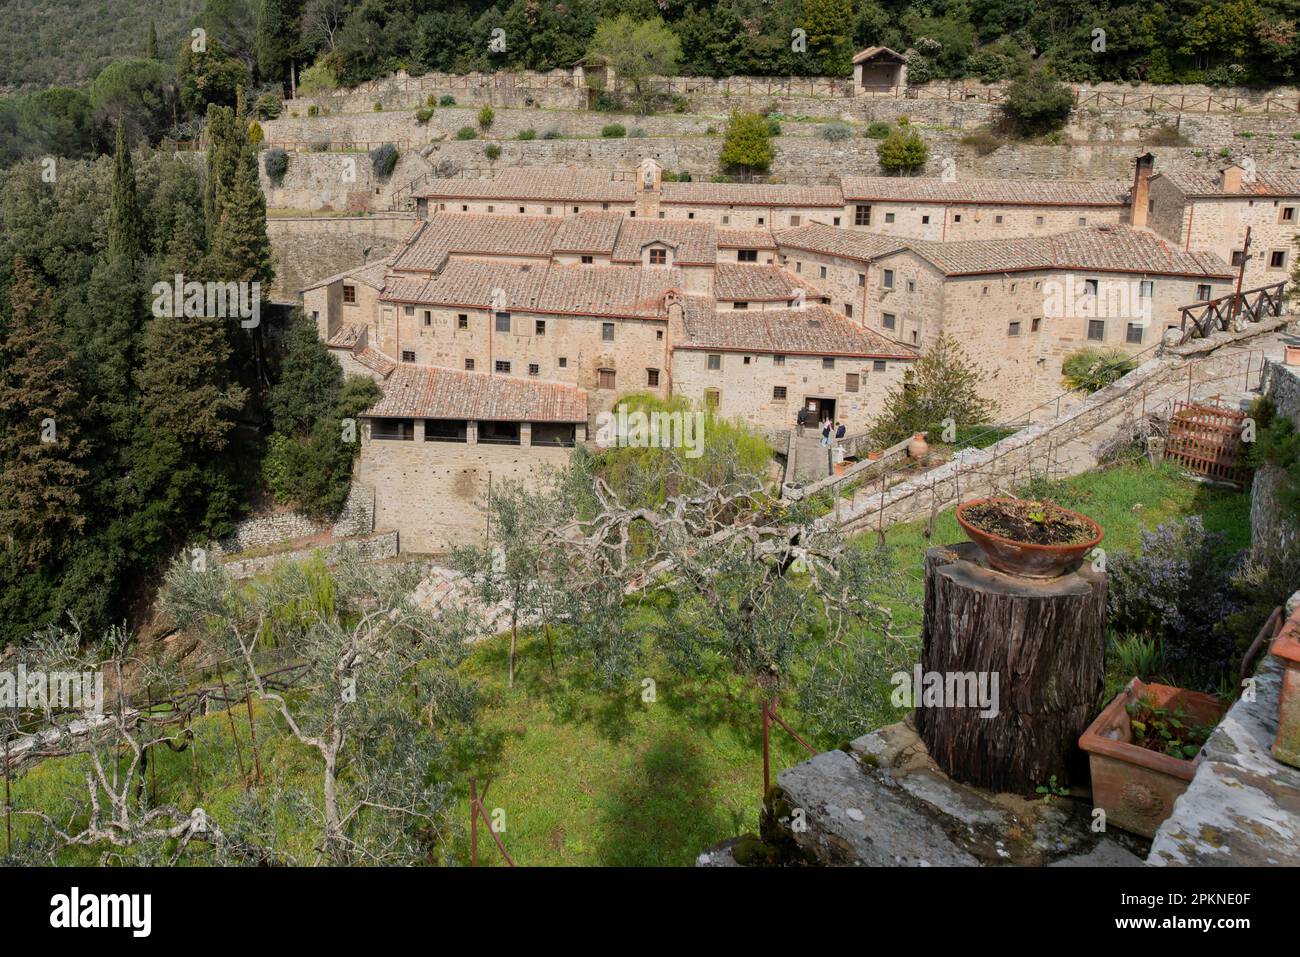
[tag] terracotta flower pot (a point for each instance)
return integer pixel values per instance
(873, 456)
(1135, 786)
(1286, 646)
(918, 448)
(1023, 558)
(1292, 355)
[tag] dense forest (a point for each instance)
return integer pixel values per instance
(1181, 41)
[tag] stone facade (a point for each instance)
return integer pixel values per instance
(1271, 531)
(264, 531)
(436, 492)
(368, 548)
(766, 390)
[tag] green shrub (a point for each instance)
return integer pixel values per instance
(492, 152)
(878, 130)
(747, 144)
(983, 142)
(1036, 103)
(773, 126)
(637, 133)
(313, 110)
(613, 131)
(423, 115)
(277, 163)
(1090, 368)
(467, 133)
(320, 146)
(528, 134)
(268, 106)
(903, 151)
(382, 159)
(446, 100)
(378, 107)
(605, 103)
(318, 78)
(485, 118)
(552, 133)
(835, 132)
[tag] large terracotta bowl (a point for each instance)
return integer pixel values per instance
(1022, 558)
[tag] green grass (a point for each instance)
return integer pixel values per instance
(589, 776)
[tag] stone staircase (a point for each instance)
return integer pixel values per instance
(808, 461)
(883, 802)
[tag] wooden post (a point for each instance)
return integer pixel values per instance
(1044, 642)
(225, 695)
(767, 764)
(9, 827)
(473, 822)
(252, 734)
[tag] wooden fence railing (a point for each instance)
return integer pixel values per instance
(1200, 319)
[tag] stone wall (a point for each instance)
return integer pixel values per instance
(265, 531)
(368, 548)
(1272, 530)
(307, 249)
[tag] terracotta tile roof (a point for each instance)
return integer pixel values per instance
(428, 392)
(813, 330)
(470, 234)
(588, 233)
(751, 194)
(570, 290)
(348, 336)
(1203, 184)
(758, 283)
(696, 243)
(1000, 192)
(376, 361)
(372, 274)
(1099, 248)
(870, 52)
(836, 241)
(746, 239)
(567, 183)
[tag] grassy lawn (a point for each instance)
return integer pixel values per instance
(590, 776)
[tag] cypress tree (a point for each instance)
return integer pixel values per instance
(271, 44)
(240, 250)
(40, 443)
(125, 224)
(151, 46)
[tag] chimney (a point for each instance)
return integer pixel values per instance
(1140, 197)
(1230, 178)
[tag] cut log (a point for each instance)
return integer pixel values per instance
(1040, 643)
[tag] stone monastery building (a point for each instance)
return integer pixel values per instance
(520, 308)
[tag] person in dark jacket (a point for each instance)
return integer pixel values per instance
(801, 420)
(840, 430)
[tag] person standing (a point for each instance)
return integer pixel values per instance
(840, 430)
(801, 420)
(826, 431)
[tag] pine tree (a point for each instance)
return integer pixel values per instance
(40, 444)
(125, 224)
(309, 383)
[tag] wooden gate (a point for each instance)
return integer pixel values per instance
(1207, 440)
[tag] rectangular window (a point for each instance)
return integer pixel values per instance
(563, 362)
(502, 365)
(889, 279)
(1083, 220)
(521, 209)
(462, 321)
(408, 355)
(607, 332)
(997, 220)
(877, 365)
(1013, 328)
(469, 365)
(862, 279)
(1090, 287)
(498, 433)
(889, 217)
(795, 220)
(548, 210)
(445, 430)
(1146, 289)
(778, 393)
(862, 216)
(398, 430)
(761, 221)
(1203, 292)
(828, 362)
(778, 360)
(848, 310)
(712, 398)
(889, 320)
(534, 369)
(956, 218)
(554, 433)
(850, 382)
(428, 318)
(1039, 220)
(1277, 259)
(604, 378)
(726, 220)
(539, 327)
(740, 305)
(1097, 330)
(925, 220)
(503, 322)
(835, 221)
(746, 255)
(492, 209)
(652, 377)
(1134, 333)
(658, 257)
(1035, 324)
(821, 272)
(1238, 257)
(714, 362)
(588, 260)
(349, 293)
(408, 310)
(1287, 215)
(911, 285)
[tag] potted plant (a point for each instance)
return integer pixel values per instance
(1034, 539)
(1292, 353)
(1286, 647)
(1143, 750)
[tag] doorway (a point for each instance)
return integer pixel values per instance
(822, 407)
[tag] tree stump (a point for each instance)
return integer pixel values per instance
(1044, 640)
